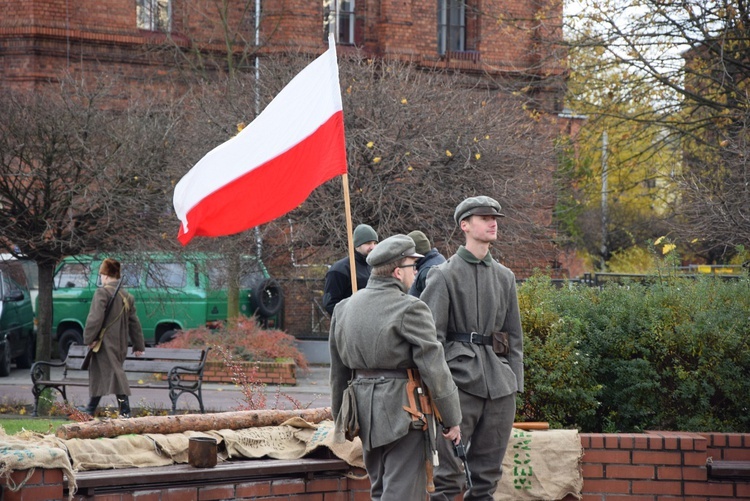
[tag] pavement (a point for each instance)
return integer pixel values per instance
(311, 391)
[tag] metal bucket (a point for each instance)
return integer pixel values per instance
(202, 452)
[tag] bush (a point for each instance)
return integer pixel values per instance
(244, 339)
(673, 355)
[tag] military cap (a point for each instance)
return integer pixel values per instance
(364, 233)
(392, 249)
(479, 206)
(421, 242)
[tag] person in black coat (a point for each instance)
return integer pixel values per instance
(338, 284)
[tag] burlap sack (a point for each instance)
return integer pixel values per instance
(28, 451)
(541, 465)
(127, 451)
(175, 445)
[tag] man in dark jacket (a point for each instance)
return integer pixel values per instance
(338, 284)
(432, 257)
(473, 298)
(376, 335)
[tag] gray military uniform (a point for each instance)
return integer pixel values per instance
(467, 295)
(382, 327)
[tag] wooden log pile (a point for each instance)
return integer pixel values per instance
(189, 422)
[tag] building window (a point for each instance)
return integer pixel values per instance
(451, 26)
(338, 18)
(154, 15)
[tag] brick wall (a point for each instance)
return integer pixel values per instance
(653, 466)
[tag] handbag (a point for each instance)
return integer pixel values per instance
(98, 343)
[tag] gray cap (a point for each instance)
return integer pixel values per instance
(479, 206)
(364, 233)
(392, 249)
(421, 242)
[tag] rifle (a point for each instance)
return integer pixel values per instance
(460, 451)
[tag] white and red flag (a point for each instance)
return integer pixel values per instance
(270, 167)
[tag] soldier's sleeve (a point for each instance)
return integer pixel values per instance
(514, 329)
(339, 374)
(435, 295)
(419, 330)
(134, 327)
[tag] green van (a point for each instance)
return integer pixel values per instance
(172, 292)
(17, 334)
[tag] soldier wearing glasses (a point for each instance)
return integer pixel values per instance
(376, 335)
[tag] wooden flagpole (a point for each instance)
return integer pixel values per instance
(349, 232)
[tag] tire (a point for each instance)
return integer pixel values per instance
(5, 360)
(67, 338)
(269, 297)
(26, 359)
(167, 336)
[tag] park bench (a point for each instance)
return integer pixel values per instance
(158, 368)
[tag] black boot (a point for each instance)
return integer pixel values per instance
(91, 408)
(124, 406)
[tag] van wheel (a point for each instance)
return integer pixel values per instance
(67, 338)
(269, 297)
(25, 360)
(167, 336)
(5, 360)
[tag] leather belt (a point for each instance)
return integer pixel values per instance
(469, 337)
(378, 373)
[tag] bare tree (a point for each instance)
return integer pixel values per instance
(418, 142)
(683, 68)
(77, 177)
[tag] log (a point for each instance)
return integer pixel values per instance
(188, 422)
(532, 425)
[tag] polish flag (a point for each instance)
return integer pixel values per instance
(270, 167)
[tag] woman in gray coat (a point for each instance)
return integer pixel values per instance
(106, 376)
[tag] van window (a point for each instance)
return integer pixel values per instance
(73, 275)
(250, 273)
(161, 275)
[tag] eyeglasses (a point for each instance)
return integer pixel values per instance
(413, 265)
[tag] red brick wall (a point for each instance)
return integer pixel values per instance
(654, 466)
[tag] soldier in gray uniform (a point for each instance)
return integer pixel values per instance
(473, 300)
(376, 335)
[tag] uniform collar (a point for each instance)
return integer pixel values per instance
(467, 256)
(385, 282)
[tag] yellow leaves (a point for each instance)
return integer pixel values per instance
(409, 168)
(477, 156)
(724, 143)
(487, 136)
(140, 381)
(659, 240)
(376, 160)
(349, 90)
(135, 178)
(668, 248)
(476, 140)
(448, 153)
(241, 126)
(404, 101)
(370, 145)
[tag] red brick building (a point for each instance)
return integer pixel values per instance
(509, 40)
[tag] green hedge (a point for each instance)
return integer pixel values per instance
(672, 355)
